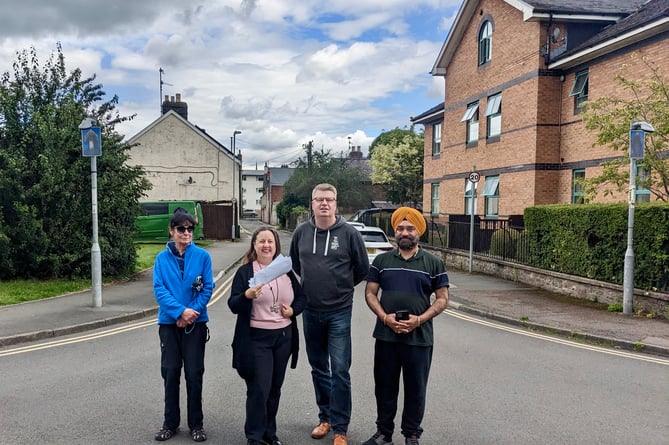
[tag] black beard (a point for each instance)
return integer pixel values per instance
(407, 243)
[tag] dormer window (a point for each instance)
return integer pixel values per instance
(485, 42)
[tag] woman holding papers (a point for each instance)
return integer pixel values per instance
(266, 333)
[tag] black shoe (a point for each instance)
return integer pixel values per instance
(379, 439)
(165, 434)
(198, 435)
(411, 440)
(272, 440)
(255, 442)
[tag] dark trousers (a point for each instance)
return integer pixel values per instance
(271, 350)
(179, 348)
(413, 362)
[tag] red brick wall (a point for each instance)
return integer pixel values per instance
(538, 121)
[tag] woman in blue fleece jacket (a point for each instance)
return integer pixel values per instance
(182, 283)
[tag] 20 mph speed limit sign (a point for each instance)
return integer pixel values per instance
(474, 176)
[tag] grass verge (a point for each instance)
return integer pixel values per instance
(20, 291)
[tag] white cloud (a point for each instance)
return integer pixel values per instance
(283, 71)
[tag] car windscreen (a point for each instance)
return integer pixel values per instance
(373, 237)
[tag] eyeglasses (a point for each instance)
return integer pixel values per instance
(182, 229)
(328, 200)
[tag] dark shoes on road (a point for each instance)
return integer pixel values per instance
(272, 441)
(265, 441)
(165, 434)
(379, 439)
(411, 440)
(198, 435)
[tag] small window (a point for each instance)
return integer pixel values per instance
(155, 209)
(436, 139)
(577, 195)
(493, 114)
(491, 193)
(471, 116)
(470, 197)
(434, 202)
(485, 42)
(642, 194)
(579, 90)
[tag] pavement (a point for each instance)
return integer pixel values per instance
(474, 293)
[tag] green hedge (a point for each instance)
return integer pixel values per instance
(591, 240)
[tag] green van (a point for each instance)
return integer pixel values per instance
(153, 223)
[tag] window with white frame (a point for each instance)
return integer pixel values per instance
(579, 90)
(642, 193)
(436, 139)
(577, 195)
(493, 114)
(471, 117)
(434, 201)
(470, 197)
(491, 193)
(485, 42)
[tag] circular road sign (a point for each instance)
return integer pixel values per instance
(474, 176)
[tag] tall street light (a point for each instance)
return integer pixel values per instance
(638, 132)
(234, 164)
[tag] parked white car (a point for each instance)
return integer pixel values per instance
(376, 241)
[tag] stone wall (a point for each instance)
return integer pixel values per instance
(574, 286)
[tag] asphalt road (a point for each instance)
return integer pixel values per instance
(490, 384)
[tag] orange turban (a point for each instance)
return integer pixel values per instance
(411, 215)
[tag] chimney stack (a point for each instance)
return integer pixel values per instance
(179, 107)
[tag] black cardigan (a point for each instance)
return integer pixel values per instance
(242, 360)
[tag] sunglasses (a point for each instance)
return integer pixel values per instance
(183, 229)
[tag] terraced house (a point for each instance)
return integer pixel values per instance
(515, 72)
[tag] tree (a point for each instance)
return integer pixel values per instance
(319, 167)
(45, 190)
(397, 164)
(611, 116)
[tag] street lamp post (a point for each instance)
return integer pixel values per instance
(234, 164)
(91, 146)
(636, 151)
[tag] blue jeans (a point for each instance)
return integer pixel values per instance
(328, 342)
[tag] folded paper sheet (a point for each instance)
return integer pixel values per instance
(280, 265)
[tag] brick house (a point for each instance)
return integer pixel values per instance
(273, 190)
(515, 72)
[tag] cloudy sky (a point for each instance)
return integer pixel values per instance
(282, 72)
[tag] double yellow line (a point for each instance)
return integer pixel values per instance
(219, 293)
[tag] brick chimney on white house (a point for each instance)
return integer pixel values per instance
(172, 103)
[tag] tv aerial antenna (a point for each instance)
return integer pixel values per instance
(161, 72)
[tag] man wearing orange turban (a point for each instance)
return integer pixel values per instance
(399, 290)
(411, 215)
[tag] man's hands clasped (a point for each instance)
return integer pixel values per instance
(402, 327)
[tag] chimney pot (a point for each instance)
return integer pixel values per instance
(178, 97)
